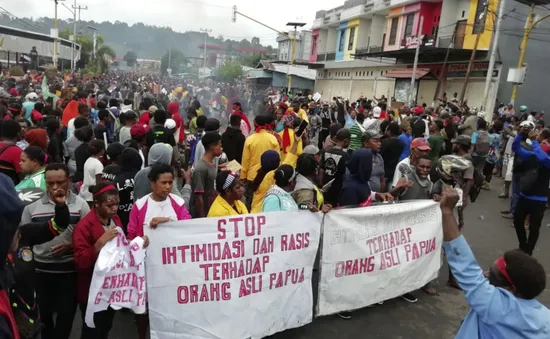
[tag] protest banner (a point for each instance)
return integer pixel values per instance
(378, 253)
(119, 278)
(234, 277)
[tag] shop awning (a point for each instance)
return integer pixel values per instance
(400, 73)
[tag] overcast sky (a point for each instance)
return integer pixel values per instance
(184, 15)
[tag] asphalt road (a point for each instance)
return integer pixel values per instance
(431, 317)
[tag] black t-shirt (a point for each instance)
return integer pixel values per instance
(160, 134)
(124, 182)
(333, 162)
(110, 172)
(391, 151)
(81, 154)
(99, 132)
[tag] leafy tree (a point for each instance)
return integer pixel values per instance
(230, 70)
(178, 62)
(86, 42)
(131, 58)
(251, 60)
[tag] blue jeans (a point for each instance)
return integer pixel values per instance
(515, 193)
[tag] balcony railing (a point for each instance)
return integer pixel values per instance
(330, 57)
(321, 57)
(376, 49)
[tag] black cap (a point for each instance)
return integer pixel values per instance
(371, 135)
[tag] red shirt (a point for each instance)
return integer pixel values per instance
(145, 118)
(88, 230)
(10, 157)
(383, 115)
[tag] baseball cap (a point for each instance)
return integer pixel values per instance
(376, 112)
(153, 109)
(311, 149)
(462, 140)
(421, 144)
(370, 134)
(139, 130)
(527, 124)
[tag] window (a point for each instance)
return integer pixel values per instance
(341, 42)
(463, 13)
(393, 31)
(314, 45)
(479, 22)
(351, 38)
(409, 25)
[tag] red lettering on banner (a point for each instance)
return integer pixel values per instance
(168, 255)
(141, 299)
(250, 285)
(203, 252)
(252, 226)
(98, 298)
(389, 259)
(121, 240)
(294, 242)
(281, 279)
(353, 267)
(419, 249)
(204, 293)
(390, 240)
(234, 269)
(120, 296)
(262, 246)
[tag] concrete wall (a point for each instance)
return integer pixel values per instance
(486, 36)
(451, 12)
(322, 43)
(363, 32)
(377, 30)
(281, 80)
(332, 38)
(306, 45)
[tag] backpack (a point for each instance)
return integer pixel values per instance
(482, 144)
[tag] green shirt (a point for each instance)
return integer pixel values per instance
(356, 137)
(437, 144)
(35, 180)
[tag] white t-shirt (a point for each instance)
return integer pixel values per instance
(92, 166)
(159, 209)
(70, 128)
(403, 168)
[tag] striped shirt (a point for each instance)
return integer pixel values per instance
(42, 211)
(356, 140)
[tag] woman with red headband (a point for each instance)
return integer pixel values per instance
(503, 305)
(90, 235)
(245, 124)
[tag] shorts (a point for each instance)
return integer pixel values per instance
(510, 165)
(506, 159)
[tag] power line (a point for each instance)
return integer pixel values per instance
(16, 17)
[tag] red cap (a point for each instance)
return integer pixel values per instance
(139, 130)
(421, 144)
(13, 92)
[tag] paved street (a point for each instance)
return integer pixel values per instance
(431, 317)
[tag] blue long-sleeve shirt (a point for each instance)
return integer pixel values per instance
(495, 312)
(406, 139)
(524, 155)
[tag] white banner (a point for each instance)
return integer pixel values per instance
(377, 253)
(119, 278)
(232, 278)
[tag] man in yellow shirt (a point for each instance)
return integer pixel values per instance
(299, 112)
(254, 146)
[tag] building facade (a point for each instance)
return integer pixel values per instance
(303, 46)
(216, 54)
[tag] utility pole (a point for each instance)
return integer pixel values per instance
(415, 65)
(75, 35)
(293, 51)
(473, 56)
(169, 68)
(55, 33)
(492, 60)
(206, 31)
(439, 88)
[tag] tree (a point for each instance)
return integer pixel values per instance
(103, 52)
(178, 62)
(131, 58)
(251, 60)
(230, 70)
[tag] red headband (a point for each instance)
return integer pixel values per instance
(105, 189)
(501, 264)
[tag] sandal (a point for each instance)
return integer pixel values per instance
(503, 196)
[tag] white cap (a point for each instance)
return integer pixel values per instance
(376, 112)
(170, 124)
(527, 124)
(32, 96)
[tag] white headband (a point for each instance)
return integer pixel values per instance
(229, 180)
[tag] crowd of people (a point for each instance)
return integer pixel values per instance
(121, 151)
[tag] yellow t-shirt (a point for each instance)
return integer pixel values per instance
(301, 114)
(268, 181)
(220, 208)
(299, 151)
(254, 146)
